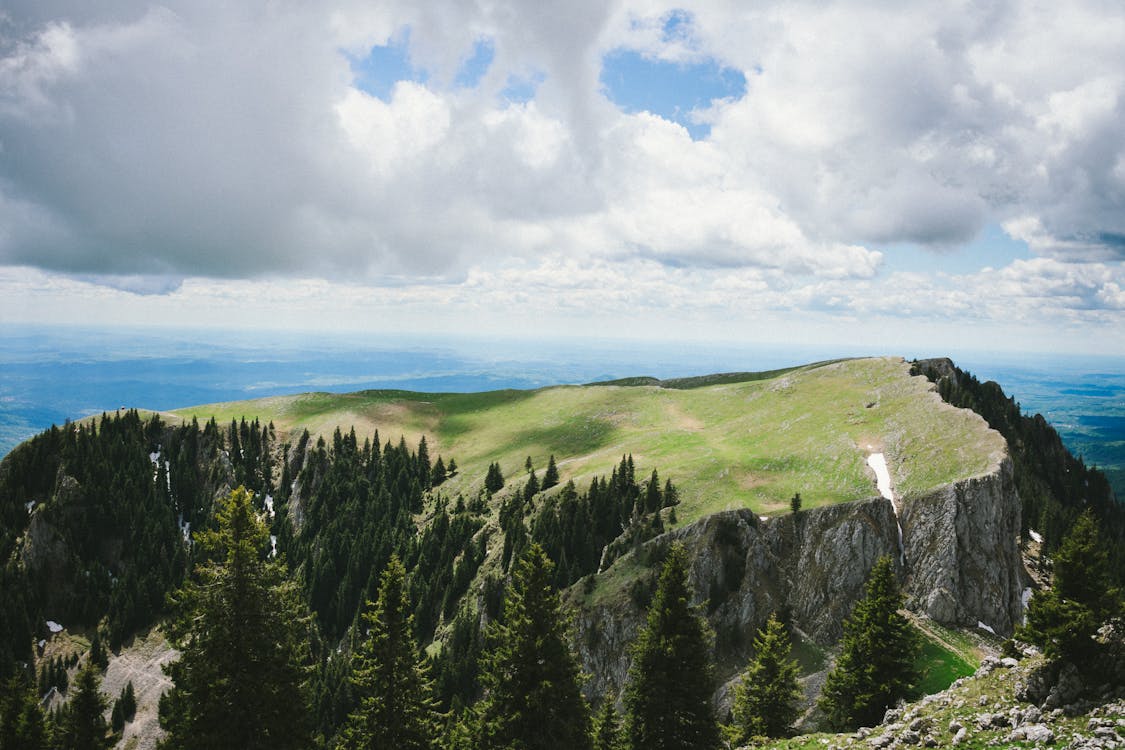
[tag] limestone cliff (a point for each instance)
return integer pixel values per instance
(962, 565)
(963, 561)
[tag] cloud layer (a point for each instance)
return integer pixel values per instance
(144, 144)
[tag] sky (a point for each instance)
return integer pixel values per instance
(775, 172)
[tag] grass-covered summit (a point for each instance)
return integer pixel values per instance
(746, 440)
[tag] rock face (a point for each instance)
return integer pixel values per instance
(963, 562)
(813, 564)
(962, 567)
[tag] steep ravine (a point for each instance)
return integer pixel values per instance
(962, 566)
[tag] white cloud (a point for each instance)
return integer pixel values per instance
(144, 145)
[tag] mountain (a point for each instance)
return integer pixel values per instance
(96, 516)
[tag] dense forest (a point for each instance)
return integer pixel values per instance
(101, 520)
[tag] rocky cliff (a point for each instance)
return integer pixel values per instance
(962, 560)
(962, 565)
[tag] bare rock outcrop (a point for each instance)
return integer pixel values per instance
(963, 561)
(962, 566)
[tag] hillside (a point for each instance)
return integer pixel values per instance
(97, 516)
(751, 443)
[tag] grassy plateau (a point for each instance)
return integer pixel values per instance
(732, 441)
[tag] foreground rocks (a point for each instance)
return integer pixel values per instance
(986, 711)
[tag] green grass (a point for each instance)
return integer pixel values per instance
(939, 667)
(727, 441)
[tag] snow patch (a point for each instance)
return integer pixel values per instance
(185, 527)
(983, 626)
(1035, 536)
(273, 546)
(155, 457)
(269, 505)
(54, 627)
(878, 464)
(30, 505)
(763, 518)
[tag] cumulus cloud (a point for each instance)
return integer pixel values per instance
(143, 142)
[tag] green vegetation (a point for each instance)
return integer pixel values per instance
(1064, 619)
(730, 441)
(766, 700)
(395, 695)
(668, 698)
(240, 678)
(876, 666)
(530, 676)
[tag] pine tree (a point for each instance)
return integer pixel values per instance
(452, 469)
(494, 480)
(98, 655)
(877, 663)
(1064, 619)
(607, 727)
(84, 726)
(439, 474)
(530, 678)
(22, 725)
(766, 701)
(239, 682)
(423, 460)
(668, 698)
(551, 476)
(795, 503)
(389, 677)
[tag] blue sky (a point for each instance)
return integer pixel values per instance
(782, 172)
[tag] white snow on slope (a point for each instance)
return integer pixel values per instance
(878, 464)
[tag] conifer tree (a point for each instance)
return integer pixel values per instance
(396, 704)
(494, 480)
(84, 726)
(439, 474)
(668, 698)
(607, 727)
(239, 682)
(22, 725)
(97, 651)
(530, 678)
(1064, 619)
(551, 476)
(766, 701)
(795, 503)
(877, 663)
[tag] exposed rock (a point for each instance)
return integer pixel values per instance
(1036, 733)
(963, 560)
(963, 565)
(961, 735)
(745, 569)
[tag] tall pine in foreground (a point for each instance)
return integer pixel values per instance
(766, 701)
(239, 682)
(877, 664)
(396, 703)
(668, 698)
(530, 678)
(22, 724)
(607, 727)
(1064, 619)
(83, 724)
